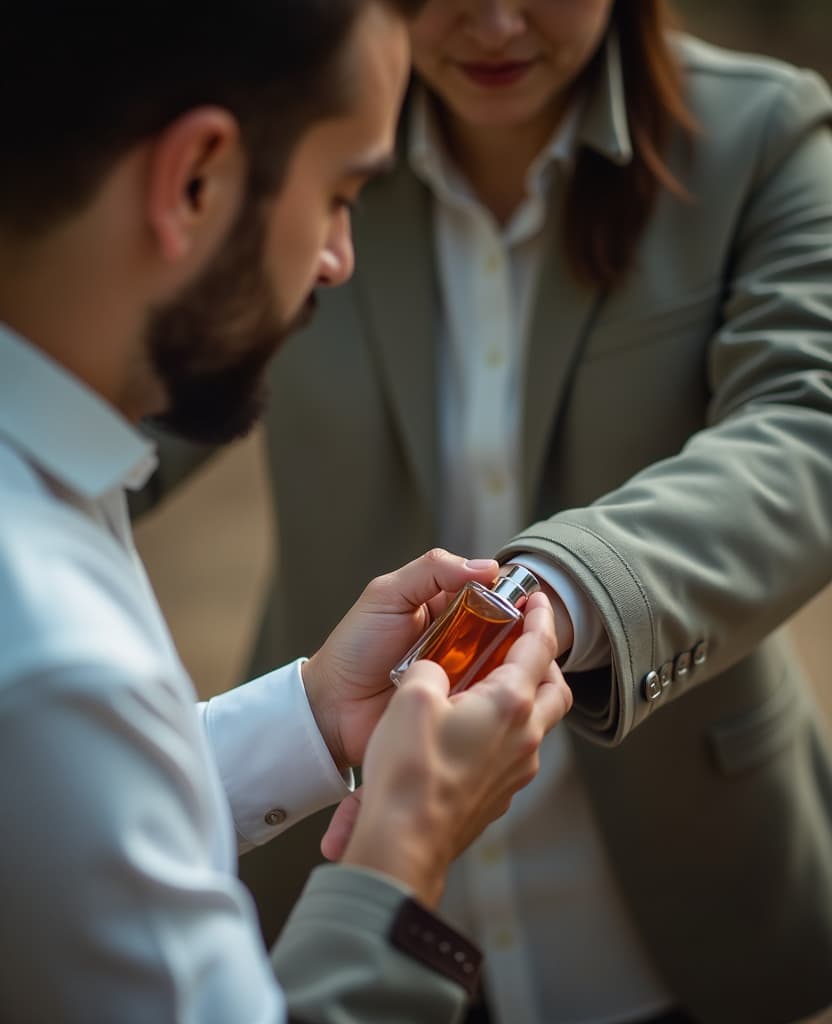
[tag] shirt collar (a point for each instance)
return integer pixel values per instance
(64, 427)
(430, 160)
(604, 125)
(425, 151)
(599, 121)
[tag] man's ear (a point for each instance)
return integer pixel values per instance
(196, 179)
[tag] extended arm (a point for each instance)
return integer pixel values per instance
(696, 558)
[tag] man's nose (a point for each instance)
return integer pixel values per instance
(338, 256)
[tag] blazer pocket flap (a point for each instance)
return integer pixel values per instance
(745, 741)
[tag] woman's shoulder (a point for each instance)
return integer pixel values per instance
(751, 99)
(699, 57)
(715, 70)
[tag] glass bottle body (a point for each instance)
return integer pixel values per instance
(473, 635)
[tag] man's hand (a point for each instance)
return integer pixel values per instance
(438, 770)
(347, 681)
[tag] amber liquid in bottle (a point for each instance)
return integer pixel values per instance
(474, 634)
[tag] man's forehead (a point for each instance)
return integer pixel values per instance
(369, 165)
(378, 54)
(358, 141)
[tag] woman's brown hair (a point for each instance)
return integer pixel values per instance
(607, 206)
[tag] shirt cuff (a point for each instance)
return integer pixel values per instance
(273, 761)
(590, 644)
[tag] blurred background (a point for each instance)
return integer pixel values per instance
(207, 549)
(799, 31)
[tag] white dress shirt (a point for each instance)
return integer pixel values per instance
(108, 769)
(536, 890)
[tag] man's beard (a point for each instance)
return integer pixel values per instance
(212, 345)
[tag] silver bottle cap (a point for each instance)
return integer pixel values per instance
(516, 584)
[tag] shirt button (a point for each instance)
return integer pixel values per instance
(495, 358)
(495, 484)
(492, 854)
(503, 938)
(493, 263)
(276, 816)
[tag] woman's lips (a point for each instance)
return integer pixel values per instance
(496, 75)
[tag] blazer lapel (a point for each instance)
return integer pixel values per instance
(565, 313)
(396, 287)
(398, 292)
(562, 321)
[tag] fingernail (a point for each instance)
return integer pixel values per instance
(480, 563)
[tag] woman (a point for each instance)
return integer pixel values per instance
(594, 297)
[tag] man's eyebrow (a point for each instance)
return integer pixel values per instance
(370, 167)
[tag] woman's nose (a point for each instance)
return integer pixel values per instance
(494, 23)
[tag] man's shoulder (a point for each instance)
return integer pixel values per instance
(66, 590)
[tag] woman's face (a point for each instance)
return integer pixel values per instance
(505, 63)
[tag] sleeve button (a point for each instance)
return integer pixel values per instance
(682, 666)
(276, 816)
(652, 686)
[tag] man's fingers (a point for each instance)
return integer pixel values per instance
(539, 615)
(553, 700)
(530, 678)
(535, 648)
(421, 580)
(427, 674)
(339, 830)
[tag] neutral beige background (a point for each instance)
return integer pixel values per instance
(208, 554)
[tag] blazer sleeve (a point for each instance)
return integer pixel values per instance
(357, 950)
(696, 558)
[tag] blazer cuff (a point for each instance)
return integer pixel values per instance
(356, 939)
(422, 935)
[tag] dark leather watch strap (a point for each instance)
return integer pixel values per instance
(420, 934)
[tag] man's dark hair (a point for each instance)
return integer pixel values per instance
(81, 83)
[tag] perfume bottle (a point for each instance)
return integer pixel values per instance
(475, 631)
